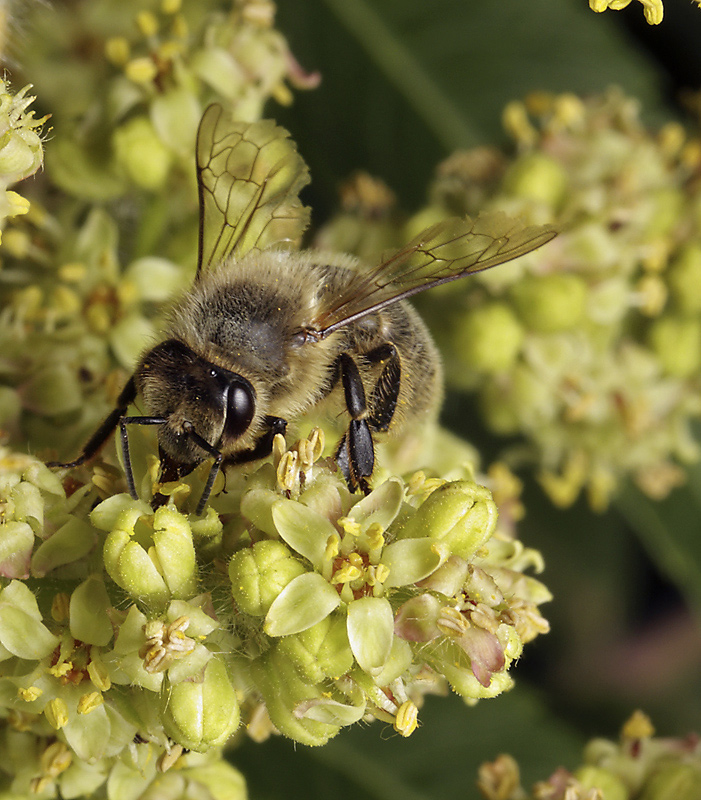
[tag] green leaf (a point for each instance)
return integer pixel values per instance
(405, 83)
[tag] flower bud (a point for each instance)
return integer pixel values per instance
(489, 338)
(674, 782)
(550, 303)
(609, 784)
(220, 779)
(286, 696)
(20, 145)
(139, 150)
(258, 574)
(460, 514)
(537, 177)
(677, 343)
(166, 569)
(200, 714)
(684, 278)
(20, 155)
(172, 539)
(321, 652)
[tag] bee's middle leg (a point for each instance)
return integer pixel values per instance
(356, 452)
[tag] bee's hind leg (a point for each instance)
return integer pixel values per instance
(356, 452)
(385, 394)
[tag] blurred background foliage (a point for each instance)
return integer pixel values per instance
(404, 83)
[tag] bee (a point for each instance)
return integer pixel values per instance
(267, 333)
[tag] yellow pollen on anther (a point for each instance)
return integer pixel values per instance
(55, 759)
(349, 526)
(638, 726)
(30, 693)
(89, 702)
(333, 545)
(59, 670)
(375, 535)
(407, 718)
(451, 622)
(56, 713)
(381, 573)
(346, 574)
(59, 606)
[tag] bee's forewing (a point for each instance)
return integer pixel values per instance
(444, 252)
(249, 178)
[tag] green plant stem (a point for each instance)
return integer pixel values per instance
(406, 73)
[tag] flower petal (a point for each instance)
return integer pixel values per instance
(304, 530)
(381, 506)
(412, 560)
(370, 631)
(416, 620)
(485, 652)
(331, 711)
(305, 601)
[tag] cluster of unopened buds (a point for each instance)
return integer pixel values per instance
(290, 603)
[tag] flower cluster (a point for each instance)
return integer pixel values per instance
(129, 636)
(638, 765)
(142, 82)
(590, 347)
(21, 152)
(81, 298)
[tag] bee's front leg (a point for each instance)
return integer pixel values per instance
(264, 444)
(102, 434)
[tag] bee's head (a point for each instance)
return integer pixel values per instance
(183, 387)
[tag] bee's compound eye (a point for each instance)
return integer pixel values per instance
(241, 406)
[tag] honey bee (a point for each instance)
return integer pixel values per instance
(267, 333)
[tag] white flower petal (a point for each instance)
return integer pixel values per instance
(412, 560)
(302, 529)
(370, 631)
(381, 506)
(306, 600)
